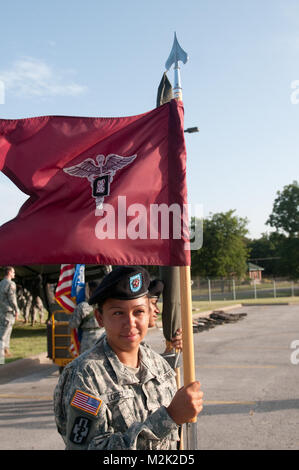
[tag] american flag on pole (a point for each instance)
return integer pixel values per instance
(66, 301)
(64, 288)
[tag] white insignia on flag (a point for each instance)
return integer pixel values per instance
(100, 174)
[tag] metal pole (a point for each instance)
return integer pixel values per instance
(274, 289)
(2, 354)
(210, 294)
(254, 286)
(234, 290)
(177, 54)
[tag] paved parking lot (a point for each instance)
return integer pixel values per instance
(251, 387)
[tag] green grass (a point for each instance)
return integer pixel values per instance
(203, 306)
(216, 286)
(27, 341)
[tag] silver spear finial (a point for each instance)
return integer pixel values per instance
(176, 54)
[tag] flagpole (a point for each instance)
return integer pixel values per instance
(178, 54)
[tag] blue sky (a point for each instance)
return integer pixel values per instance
(97, 58)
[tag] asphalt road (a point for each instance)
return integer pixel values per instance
(250, 386)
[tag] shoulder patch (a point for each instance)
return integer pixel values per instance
(86, 402)
(80, 430)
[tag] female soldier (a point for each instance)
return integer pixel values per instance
(121, 394)
(154, 291)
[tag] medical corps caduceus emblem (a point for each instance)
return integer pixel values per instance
(100, 174)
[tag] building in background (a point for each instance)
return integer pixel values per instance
(255, 272)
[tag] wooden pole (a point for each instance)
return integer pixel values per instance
(187, 325)
(188, 348)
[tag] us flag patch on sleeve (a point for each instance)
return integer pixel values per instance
(86, 402)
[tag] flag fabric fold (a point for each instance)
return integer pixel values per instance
(107, 191)
(78, 292)
(78, 284)
(64, 287)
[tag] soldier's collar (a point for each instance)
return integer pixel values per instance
(123, 374)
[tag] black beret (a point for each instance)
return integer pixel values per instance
(155, 288)
(123, 283)
(93, 284)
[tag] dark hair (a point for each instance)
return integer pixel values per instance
(93, 285)
(99, 306)
(7, 270)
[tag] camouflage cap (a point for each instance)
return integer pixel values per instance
(155, 288)
(123, 283)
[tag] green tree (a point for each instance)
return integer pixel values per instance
(281, 254)
(288, 251)
(224, 252)
(285, 213)
(265, 252)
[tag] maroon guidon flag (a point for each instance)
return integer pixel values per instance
(107, 191)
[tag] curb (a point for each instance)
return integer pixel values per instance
(40, 358)
(206, 313)
(276, 304)
(22, 367)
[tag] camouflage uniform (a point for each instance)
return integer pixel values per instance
(100, 403)
(21, 300)
(8, 310)
(84, 319)
(29, 299)
(37, 308)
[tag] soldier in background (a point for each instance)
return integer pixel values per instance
(34, 305)
(84, 320)
(8, 309)
(28, 304)
(154, 291)
(37, 309)
(21, 301)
